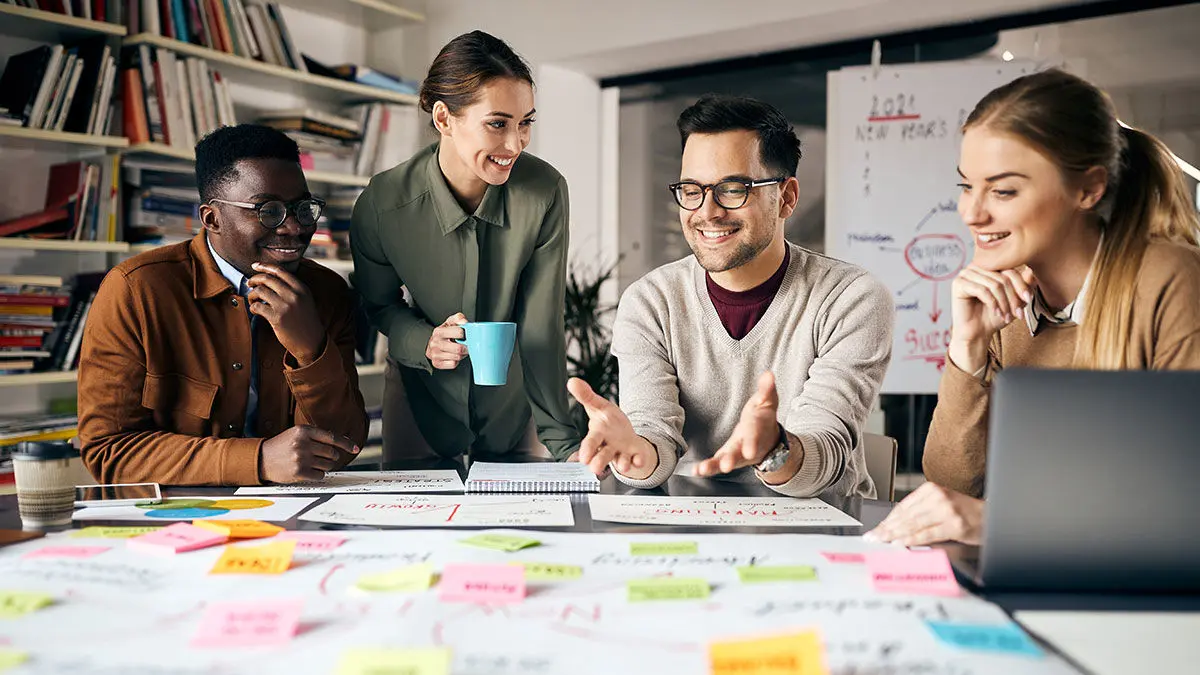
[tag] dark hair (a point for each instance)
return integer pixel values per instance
(218, 153)
(466, 64)
(1073, 123)
(778, 145)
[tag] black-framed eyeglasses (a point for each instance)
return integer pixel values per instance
(271, 214)
(730, 194)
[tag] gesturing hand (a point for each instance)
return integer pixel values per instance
(756, 433)
(611, 437)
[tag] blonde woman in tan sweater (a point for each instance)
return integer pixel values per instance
(1085, 257)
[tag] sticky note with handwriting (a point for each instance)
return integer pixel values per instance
(66, 552)
(15, 604)
(663, 548)
(483, 583)
(100, 532)
(500, 542)
(425, 661)
(311, 541)
(657, 589)
(177, 538)
(1004, 638)
(535, 571)
(845, 558)
(249, 623)
(240, 529)
(273, 558)
(795, 654)
(410, 579)
(757, 574)
(916, 572)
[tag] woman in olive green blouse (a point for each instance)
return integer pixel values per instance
(476, 230)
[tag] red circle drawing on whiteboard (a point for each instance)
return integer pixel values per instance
(936, 257)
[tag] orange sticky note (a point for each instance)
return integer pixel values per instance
(273, 558)
(795, 654)
(240, 529)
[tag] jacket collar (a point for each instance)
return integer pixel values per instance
(207, 280)
(449, 212)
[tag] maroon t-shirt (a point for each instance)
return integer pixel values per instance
(740, 311)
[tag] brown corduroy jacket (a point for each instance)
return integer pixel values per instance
(165, 368)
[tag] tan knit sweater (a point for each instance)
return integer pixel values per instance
(1165, 336)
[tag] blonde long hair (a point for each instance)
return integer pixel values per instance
(1075, 124)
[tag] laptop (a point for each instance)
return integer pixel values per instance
(1093, 483)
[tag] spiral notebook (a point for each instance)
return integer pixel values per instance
(531, 477)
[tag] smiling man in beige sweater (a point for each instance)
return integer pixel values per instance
(754, 358)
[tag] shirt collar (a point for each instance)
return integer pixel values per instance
(228, 271)
(449, 212)
(1038, 311)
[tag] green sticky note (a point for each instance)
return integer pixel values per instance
(429, 661)
(550, 572)
(14, 604)
(500, 542)
(409, 579)
(664, 548)
(667, 588)
(112, 532)
(11, 658)
(757, 574)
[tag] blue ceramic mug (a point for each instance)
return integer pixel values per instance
(490, 347)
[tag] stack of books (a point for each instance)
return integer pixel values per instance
(364, 75)
(62, 346)
(391, 134)
(249, 29)
(27, 308)
(60, 88)
(162, 202)
(327, 142)
(14, 430)
(172, 100)
(81, 204)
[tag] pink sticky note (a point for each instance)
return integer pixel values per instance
(844, 558)
(66, 552)
(311, 541)
(176, 538)
(917, 572)
(256, 623)
(482, 583)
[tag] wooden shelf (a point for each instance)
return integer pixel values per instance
(22, 244)
(369, 14)
(322, 177)
(26, 379)
(161, 150)
(38, 139)
(266, 75)
(41, 26)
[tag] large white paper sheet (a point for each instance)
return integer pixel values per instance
(274, 509)
(375, 482)
(445, 511)
(718, 511)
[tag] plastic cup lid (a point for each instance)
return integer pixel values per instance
(45, 450)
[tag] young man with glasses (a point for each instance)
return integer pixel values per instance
(229, 359)
(754, 357)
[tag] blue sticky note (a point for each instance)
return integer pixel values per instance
(1005, 638)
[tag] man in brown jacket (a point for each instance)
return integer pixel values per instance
(229, 359)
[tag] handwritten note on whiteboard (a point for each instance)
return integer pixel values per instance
(710, 511)
(445, 511)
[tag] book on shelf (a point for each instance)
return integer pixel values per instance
(79, 204)
(172, 100)
(391, 134)
(162, 201)
(40, 320)
(60, 87)
(375, 78)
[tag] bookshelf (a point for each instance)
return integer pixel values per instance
(24, 137)
(71, 376)
(369, 14)
(322, 177)
(42, 26)
(256, 73)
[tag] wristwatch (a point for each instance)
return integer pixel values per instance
(778, 456)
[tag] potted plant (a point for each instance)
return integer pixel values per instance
(589, 339)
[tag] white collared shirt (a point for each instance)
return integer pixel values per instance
(228, 271)
(1038, 311)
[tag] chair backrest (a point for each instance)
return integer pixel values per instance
(880, 452)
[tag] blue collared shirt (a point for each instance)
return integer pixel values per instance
(238, 281)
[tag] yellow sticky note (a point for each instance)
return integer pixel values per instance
(796, 654)
(11, 658)
(667, 588)
(535, 571)
(269, 559)
(404, 580)
(664, 548)
(500, 542)
(14, 604)
(757, 574)
(98, 532)
(430, 661)
(240, 529)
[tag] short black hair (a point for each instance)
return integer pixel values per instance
(778, 144)
(218, 153)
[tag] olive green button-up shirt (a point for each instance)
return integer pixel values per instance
(505, 262)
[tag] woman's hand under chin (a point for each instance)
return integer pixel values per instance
(983, 302)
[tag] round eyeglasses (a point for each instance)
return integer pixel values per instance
(730, 194)
(271, 214)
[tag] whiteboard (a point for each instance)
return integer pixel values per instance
(892, 202)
